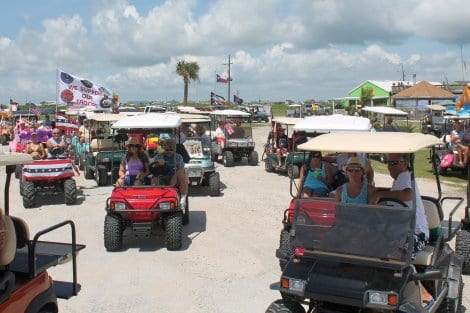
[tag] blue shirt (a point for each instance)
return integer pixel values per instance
(171, 161)
(311, 181)
(361, 197)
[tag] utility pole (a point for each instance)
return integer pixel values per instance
(229, 79)
(402, 73)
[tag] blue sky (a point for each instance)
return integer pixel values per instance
(298, 50)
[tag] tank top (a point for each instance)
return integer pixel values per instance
(361, 197)
(134, 167)
(311, 180)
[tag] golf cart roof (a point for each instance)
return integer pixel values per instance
(333, 123)
(194, 118)
(12, 158)
(105, 117)
(371, 142)
(230, 113)
(435, 107)
(385, 110)
(149, 120)
(463, 116)
(287, 120)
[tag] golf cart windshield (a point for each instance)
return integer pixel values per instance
(354, 233)
(195, 147)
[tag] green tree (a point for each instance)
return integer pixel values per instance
(189, 71)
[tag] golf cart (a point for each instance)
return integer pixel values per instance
(146, 208)
(357, 257)
(257, 113)
(200, 168)
(433, 122)
(238, 143)
(105, 151)
(25, 284)
(388, 113)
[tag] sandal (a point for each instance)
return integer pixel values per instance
(427, 304)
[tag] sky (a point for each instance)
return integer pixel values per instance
(279, 49)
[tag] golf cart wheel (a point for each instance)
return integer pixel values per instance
(214, 157)
(452, 305)
(89, 174)
(229, 161)
(214, 184)
(70, 191)
(285, 248)
(462, 247)
(102, 176)
(113, 228)
(283, 306)
(29, 194)
(173, 230)
(253, 158)
(268, 166)
(293, 171)
(186, 212)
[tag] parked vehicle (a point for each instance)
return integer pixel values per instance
(384, 114)
(239, 141)
(433, 122)
(257, 113)
(25, 282)
(146, 208)
(200, 168)
(105, 151)
(357, 257)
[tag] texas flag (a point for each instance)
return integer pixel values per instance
(220, 79)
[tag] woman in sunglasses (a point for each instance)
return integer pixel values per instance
(356, 190)
(134, 167)
(316, 176)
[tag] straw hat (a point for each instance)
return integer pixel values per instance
(133, 141)
(354, 162)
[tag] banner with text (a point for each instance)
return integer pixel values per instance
(75, 91)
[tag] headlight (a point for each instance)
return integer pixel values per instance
(301, 220)
(118, 206)
(381, 299)
(166, 205)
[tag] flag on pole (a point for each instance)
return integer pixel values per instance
(34, 109)
(13, 102)
(65, 123)
(237, 99)
(464, 98)
(221, 79)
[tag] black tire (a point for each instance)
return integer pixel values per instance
(283, 306)
(214, 157)
(229, 161)
(268, 166)
(186, 212)
(462, 247)
(4, 140)
(253, 158)
(70, 191)
(214, 184)
(102, 176)
(452, 305)
(173, 230)
(293, 171)
(29, 194)
(21, 186)
(285, 248)
(89, 174)
(112, 234)
(18, 171)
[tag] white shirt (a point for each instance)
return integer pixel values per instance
(403, 181)
(219, 133)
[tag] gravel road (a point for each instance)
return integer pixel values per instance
(227, 261)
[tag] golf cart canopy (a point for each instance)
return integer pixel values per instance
(12, 158)
(333, 123)
(194, 118)
(230, 113)
(435, 107)
(105, 117)
(287, 120)
(150, 120)
(371, 142)
(385, 111)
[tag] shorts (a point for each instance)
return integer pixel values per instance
(316, 192)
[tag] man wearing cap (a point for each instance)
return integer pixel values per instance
(356, 190)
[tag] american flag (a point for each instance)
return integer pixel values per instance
(65, 123)
(48, 169)
(34, 109)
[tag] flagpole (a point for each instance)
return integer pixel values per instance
(229, 79)
(56, 89)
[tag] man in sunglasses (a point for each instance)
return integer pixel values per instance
(175, 163)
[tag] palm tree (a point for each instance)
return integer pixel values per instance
(189, 71)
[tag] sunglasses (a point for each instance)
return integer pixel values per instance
(133, 146)
(354, 170)
(168, 149)
(316, 156)
(56, 133)
(394, 163)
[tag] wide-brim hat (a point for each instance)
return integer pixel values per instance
(354, 162)
(133, 141)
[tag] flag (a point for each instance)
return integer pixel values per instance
(63, 122)
(74, 90)
(34, 109)
(220, 79)
(13, 102)
(464, 99)
(52, 169)
(237, 99)
(217, 100)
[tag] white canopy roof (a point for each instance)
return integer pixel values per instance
(288, 120)
(105, 117)
(371, 142)
(333, 123)
(12, 158)
(150, 120)
(194, 118)
(385, 110)
(230, 113)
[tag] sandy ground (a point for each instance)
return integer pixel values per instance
(228, 257)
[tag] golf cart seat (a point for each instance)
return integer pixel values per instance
(97, 145)
(22, 232)
(182, 150)
(7, 255)
(434, 216)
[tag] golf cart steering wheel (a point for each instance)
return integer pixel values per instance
(390, 201)
(56, 151)
(158, 169)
